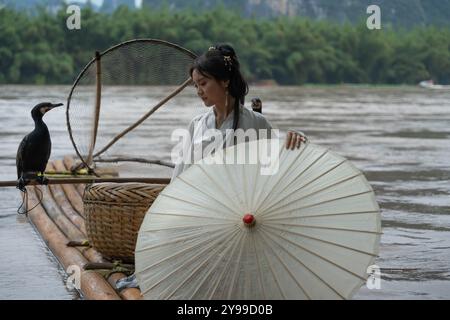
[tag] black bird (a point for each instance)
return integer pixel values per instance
(34, 150)
(257, 105)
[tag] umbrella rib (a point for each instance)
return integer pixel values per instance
(255, 184)
(325, 241)
(233, 280)
(277, 280)
(302, 187)
(285, 267)
(185, 226)
(187, 215)
(198, 268)
(313, 253)
(183, 239)
(193, 258)
(230, 178)
(284, 174)
(302, 172)
(217, 185)
(258, 259)
(190, 202)
(277, 218)
(244, 187)
(254, 188)
(219, 257)
(215, 200)
(289, 253)
(244, 182)
(329, 200)
(327, 228)
(272, 212)
(211, 270)
(235, 246)
(184, 250)
(285, 196)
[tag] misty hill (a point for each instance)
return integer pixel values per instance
(396, 12)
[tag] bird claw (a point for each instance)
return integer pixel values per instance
(21, 183)
(42, 180)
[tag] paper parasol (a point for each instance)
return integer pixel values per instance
(226, 231)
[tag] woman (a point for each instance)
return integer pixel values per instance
(219, 83)
(217, 77)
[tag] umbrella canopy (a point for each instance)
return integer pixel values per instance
(307, 230)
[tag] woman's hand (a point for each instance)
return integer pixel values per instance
(294, 140)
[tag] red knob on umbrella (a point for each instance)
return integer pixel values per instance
(249, 220)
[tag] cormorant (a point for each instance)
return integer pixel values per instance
(257, 105)
(34, 150)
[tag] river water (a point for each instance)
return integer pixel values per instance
(398, 136)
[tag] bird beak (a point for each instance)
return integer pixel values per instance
(50, 107)
(47, 109)
(55, 105)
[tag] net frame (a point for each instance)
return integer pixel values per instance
(97, 59)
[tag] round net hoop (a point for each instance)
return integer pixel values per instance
(139, 62)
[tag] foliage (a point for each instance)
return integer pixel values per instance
(38, 48)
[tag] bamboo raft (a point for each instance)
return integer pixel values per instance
(60, 220)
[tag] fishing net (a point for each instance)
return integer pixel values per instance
(126, 102)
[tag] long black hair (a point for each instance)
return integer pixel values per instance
(221, 63)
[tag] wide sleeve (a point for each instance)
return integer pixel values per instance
(261, 123)
(181, 165)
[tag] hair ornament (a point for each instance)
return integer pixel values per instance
(228, 63)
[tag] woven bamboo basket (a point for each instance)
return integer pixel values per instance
(114, 213)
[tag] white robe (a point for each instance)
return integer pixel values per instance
(248, 119)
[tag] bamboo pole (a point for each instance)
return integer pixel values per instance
(89, 253)
(107, 265)
(67, 226)
(59, 204)
(60, 201)
(139, 160)
(64, 203)
(65, 173)
(95, 257)
(59, 218)
(98, 97)
(93, 285)
(145, 116)
(13, 183)
(69, 163)
(70, 190)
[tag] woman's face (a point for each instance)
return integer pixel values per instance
(210, 90)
